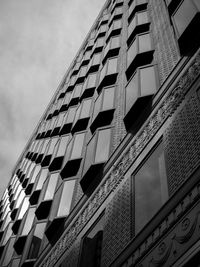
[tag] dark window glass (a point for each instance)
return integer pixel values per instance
(92, 246)
(150, 188)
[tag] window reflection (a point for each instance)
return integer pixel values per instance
(51, 187)
(151, 189)
(66, 198)
(28, 221)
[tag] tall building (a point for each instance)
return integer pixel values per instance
(110, 177)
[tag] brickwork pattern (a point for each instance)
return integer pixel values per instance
(72, 258)
(182, 139)
(117, 231)
(166, 49)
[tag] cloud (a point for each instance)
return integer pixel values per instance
(38, 42)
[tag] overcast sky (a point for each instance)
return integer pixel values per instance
(38, 41)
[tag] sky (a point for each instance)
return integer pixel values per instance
(38, 41)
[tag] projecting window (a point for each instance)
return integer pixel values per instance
(60, 209)
(151, 190)
(112, 48)
(139, 24)
(103, 108)
(92, 246)
(108, 73)
(186, 20)
(139, 53)
(89, 85)
(66, 101)
(36, 241)
(97, 154)
(76, 94)
(28, 221)
(135, 6)
(7, 256)
(114, 29)
(139, 92)
(68, 120)
(51, 186)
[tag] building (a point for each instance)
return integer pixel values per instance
(110, 177)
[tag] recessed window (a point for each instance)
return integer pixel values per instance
(151, 190)
(92, 245)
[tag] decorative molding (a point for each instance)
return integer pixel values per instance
(161, 114)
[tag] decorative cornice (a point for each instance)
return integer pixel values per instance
(161, 114)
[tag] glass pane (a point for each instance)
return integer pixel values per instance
(62, 146)
(144, 43)
(60, 120)
(142, 17)
(71, 115)
(15, 263)
(96, 58)
(66, 198)
(85, 112)
(108, 99)
(77, 91)
(89, 158)
(28, 221)
(115, 42)
(148, 81)
(51, 187)
(7, 234)
(9, 252)
(23, 208)
(91, 80)
(184, 15)
(77, 146)
(67, 98)
(52, 145)
(150, 182)
(19, 199)
(131, 92)
(36, 241)
(112, 66)
(132, 52)
(42, 178)
(103, 146)
(35, 173)
(97, 105)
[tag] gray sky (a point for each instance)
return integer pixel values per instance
(38, 41)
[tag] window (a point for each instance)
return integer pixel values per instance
(76, 94)
(97, 154)
(135, 6)
(98, 46)
(66, 101)
(36, 241)
(89, 85)
(140, 23)
(73, 155)
(7, 256)
(139, 53)
(59, 152)
(114, 29)
(60, 209)
(103, 108)
(51, 186)
(139, 92)
(186, 19)
(108, 73)
(151, 190)
(112, 48)
(94, 63)
(82, 74)
(92, 246)
(68, 121)
(82, 116)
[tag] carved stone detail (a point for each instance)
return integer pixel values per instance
(163, 112)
